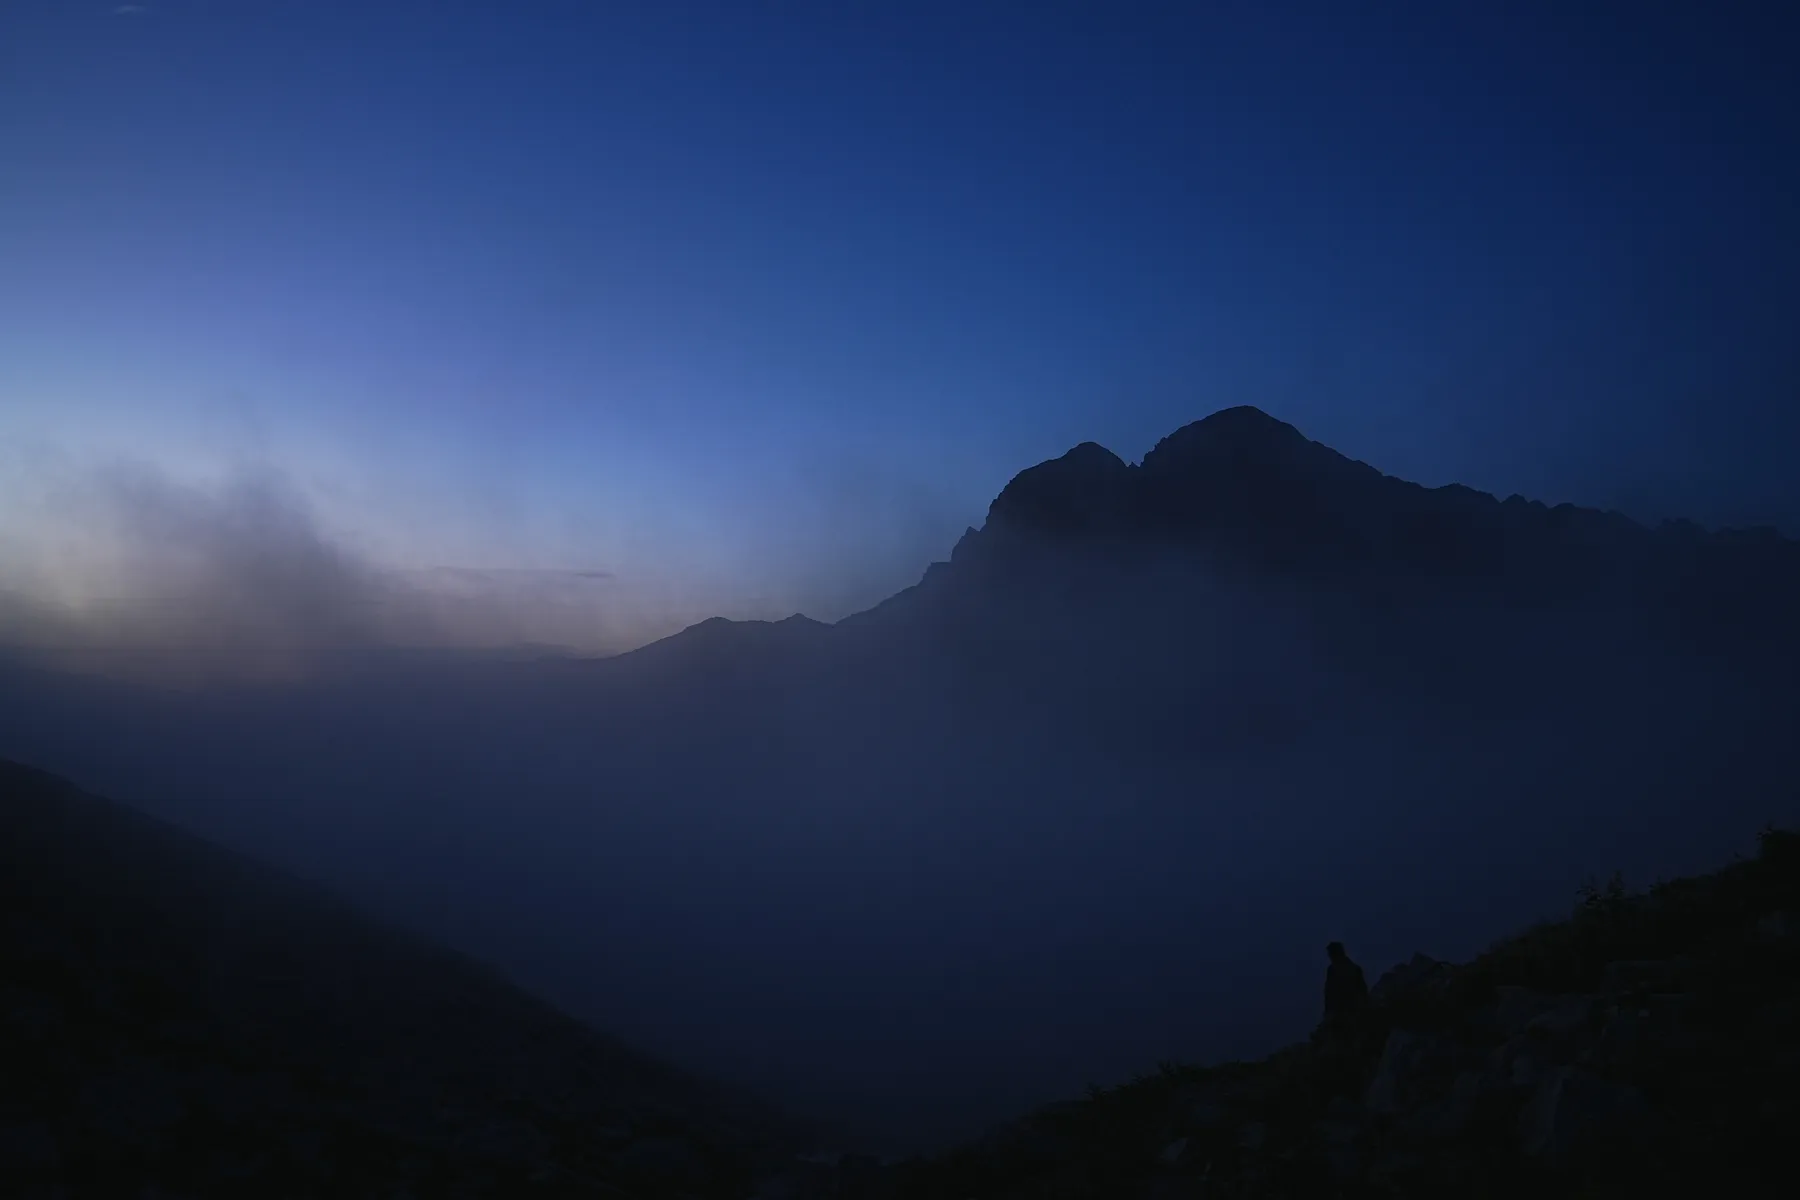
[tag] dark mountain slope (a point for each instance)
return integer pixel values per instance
(1242, 479)
(1254, 496)
(175, 1014)
(1238, 530)
(1647, 1045)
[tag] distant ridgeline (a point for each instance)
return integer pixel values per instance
(1255, 489)
(1249, 498)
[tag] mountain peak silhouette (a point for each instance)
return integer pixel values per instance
(1240, 475)
(1256, 490)
(1086, 491)
(1231, 434)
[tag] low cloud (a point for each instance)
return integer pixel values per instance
(124, 568)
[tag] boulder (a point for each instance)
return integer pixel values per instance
(1411, 1064)
(1522, 1060)
(1420, 980)
(1566, 1027)
(1516, 1007)
(1573, 1109)
(1646, 1030)
(1448, 1116)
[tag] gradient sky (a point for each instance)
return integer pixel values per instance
(755, 306)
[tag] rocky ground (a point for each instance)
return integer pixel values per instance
(1648, 1045)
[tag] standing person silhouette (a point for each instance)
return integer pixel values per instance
(1346, 991)
(1340, 1036)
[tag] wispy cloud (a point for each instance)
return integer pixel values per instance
(124, 564)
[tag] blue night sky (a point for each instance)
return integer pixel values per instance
(753, 307)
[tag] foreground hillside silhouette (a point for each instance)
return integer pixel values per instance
(178, 1016)
(1090, 795)
(1647, 1045)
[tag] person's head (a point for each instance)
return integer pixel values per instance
(1335, 950)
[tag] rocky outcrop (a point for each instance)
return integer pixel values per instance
(1648, 1045)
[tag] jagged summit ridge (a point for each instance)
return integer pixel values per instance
(1087, 490)
(1247, 483)
(1239, 462)
(1241, 433)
